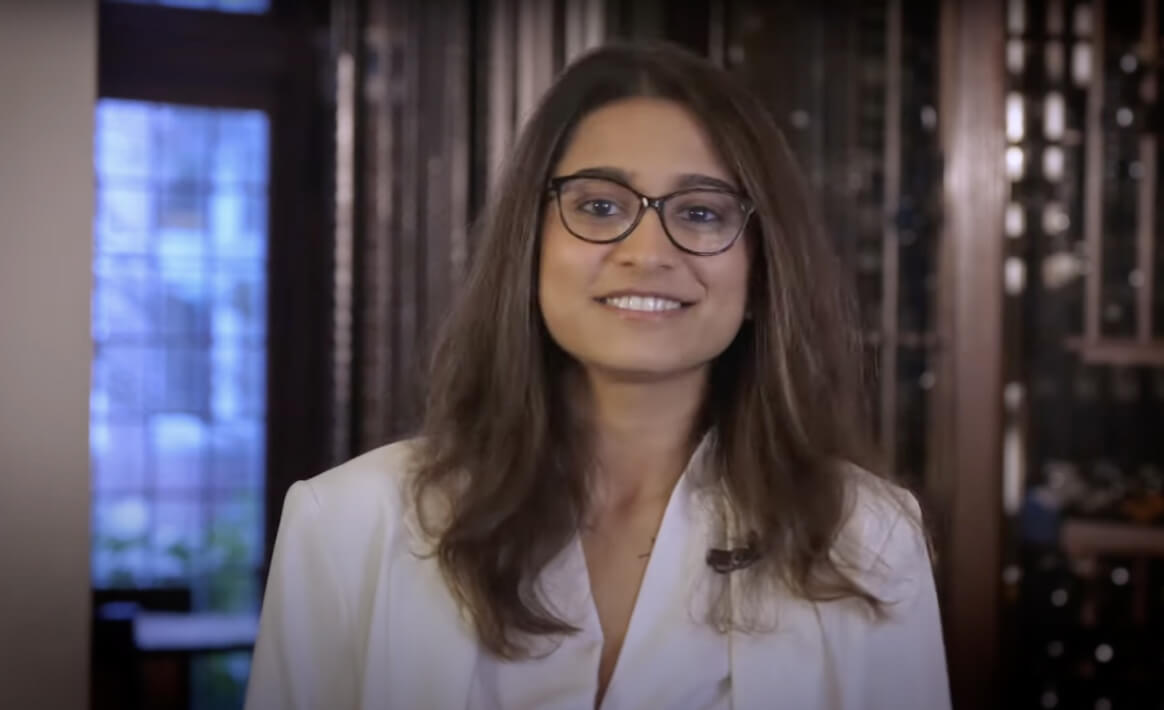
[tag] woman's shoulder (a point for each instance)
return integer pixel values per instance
(876, 505)
(360, 498)
(883, 537)
(370, 478)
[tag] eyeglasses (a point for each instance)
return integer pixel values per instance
(702, 221)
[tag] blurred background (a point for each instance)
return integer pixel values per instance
(230, 227)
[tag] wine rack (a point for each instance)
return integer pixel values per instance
(1083, 352)
(858, 101)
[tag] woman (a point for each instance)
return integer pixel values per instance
(638, 481)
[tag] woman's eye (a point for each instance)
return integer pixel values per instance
(599, 208)
(701, 215)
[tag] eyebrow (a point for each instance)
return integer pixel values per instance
(684, 181)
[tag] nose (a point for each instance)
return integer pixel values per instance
(647, 244)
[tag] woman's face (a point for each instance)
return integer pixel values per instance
(587, 291)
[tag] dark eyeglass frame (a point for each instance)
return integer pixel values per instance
(554, 187)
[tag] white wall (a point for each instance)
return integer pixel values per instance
(48, 81)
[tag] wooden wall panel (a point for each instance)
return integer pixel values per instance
(416, 138)
(443, 87)
(971, 313)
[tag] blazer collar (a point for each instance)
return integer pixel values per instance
(433, 655)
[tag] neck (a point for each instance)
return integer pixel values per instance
(643, 436)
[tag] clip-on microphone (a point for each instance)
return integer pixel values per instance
(725, 561)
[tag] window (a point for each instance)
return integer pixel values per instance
(239, 6)
(179, 325)
(177, 432)
(211, 338)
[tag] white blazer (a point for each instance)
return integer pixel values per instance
(353, 619)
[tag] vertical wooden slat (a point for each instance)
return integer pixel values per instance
(375, 309)
(1146, 202)
(445, 165)
(417, 142)
(968, 451)
(457, 134)
(890, 242)
(345, 25)
(849, 98)
(535, 55)
(648, 19)
(527, 59)
(407, 236)
(432, 244)
(544, 41)
(1093, 180)
(418, 146)
(573, 35)
(502, 82)
(717, 31)
(594, 21)
(585, 26)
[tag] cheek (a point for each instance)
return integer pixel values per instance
(732, 279)
(563, 270)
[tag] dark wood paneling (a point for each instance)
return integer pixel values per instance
(418, 121)
(968, 442)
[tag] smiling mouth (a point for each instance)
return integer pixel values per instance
(643, 304)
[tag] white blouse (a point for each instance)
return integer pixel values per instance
(356, 617)
(669, 658)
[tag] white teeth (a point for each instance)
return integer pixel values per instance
(643, 303)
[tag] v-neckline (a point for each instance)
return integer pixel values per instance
(665, 540)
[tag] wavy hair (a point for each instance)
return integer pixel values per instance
(509, 451)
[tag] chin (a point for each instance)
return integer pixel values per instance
(643, 369)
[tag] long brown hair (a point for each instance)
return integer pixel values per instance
(509, 454)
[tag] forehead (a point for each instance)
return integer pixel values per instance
(650, 139)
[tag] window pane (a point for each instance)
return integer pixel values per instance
(123, 297)
(238, 459)
(185, 136)
(238, 223)
(127, 378)
(240, 300)
(240, 152)
(177, 432)
(123, 217)
(187, 381)
(183, 299)
(177, 539)
(120, 540)
(118, 451)
(240, 6)
(123, 141)
(181, 219)
(180, 445)
(239, 382)
(236, 536)
(255, 6)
